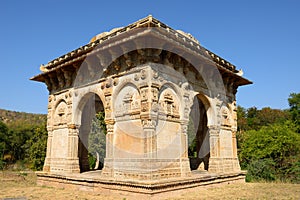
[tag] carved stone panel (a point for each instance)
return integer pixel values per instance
(60, 114)
(225, 117)
(128, 104)
(169, 105)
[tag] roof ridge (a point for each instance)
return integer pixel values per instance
(148, 21)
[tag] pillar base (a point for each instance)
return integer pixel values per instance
(145, 168)
(72, 165)
(59, 165)
(223, 165)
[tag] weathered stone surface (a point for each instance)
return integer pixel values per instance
(150, 82)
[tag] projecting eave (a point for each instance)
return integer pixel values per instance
(69, 61)
(237, 77)
(243, 81)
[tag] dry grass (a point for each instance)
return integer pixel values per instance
(246, 191)
(23, 187)
(14, 185)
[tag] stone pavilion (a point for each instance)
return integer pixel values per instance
(162, 94)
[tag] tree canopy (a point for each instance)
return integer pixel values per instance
(294, 102)
(269, 142)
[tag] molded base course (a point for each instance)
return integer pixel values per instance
(92, 181)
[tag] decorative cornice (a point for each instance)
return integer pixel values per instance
(78, 55)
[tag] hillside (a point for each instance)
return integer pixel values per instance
(13, 117)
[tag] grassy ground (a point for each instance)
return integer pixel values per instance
(22, 186)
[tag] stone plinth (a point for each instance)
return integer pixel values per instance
(90, 181)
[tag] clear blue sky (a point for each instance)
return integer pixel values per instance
(261, 37)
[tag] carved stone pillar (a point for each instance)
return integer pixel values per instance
(149, 138)
(215, 164)
(235, 161)
(109, 139)
(149, 110)
(47, 163)
(184, 138)
(108, 168)
(72, 161)
(184, 160)
(109, 122)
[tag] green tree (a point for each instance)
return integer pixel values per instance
(261, 170)
(22, 139)
(275, 147)
(253, 118)
(294, 102)
(267, 116)
(242, 118)
(97, 140)
(191, 133)
(3, 143)
(36, 148)
(17, 137)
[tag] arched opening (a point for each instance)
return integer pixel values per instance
(198, 137)
(91, 147)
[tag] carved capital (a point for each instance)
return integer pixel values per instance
(154, 93)
(214, 130)
(149, 123)
(144, 93)
(73, 126)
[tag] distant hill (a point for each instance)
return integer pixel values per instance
(13, 117)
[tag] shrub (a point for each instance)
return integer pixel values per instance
(270, 152)
(36, 148)
(261, 170)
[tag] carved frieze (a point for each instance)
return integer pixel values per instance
(128, 104)
(149, 123)
(144, 93)
(60, 114)
(169, 106)
(225, 116)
